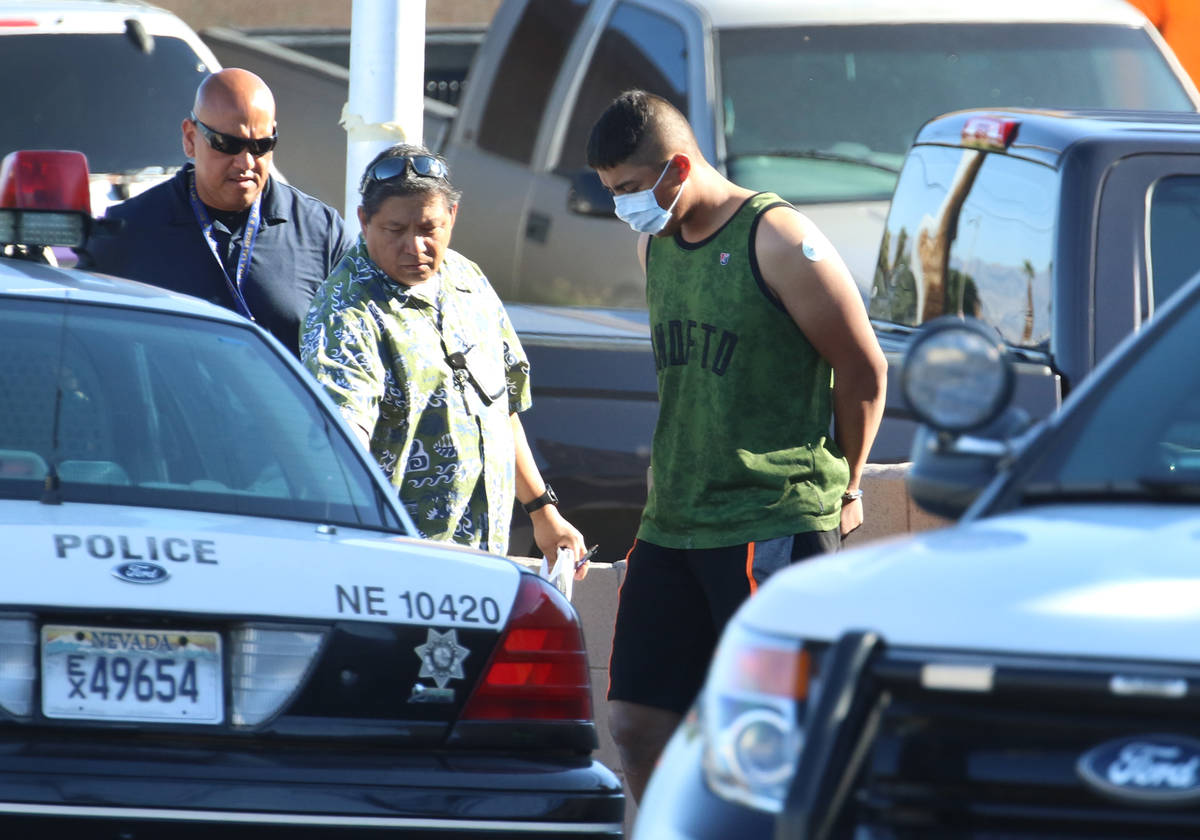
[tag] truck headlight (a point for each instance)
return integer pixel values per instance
(751, 711)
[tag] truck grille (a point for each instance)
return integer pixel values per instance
(934, 744)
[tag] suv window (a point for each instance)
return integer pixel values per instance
(1174, 231)
(119, 106)
(525, 76)
(970, 233)
(826, 113)
(638, 49)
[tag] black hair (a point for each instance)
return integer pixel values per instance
(641, 128)
(374, 193)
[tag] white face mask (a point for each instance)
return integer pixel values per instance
(640, 210)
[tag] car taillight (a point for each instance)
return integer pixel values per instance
(539, 669)
(267, 666)
(44, 198)
(18, 665)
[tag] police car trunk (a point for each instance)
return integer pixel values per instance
(213, 615)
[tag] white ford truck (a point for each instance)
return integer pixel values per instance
(817, 101)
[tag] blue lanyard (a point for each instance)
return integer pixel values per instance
(206, 227)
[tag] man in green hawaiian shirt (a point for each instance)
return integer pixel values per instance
(415, 348)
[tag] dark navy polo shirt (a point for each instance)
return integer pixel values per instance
(300, 240)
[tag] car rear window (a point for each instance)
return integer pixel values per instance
(140, 408)
(104, 97)
(970, 233)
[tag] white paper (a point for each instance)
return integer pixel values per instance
(562, 573)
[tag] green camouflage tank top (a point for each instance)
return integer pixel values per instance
(742, 449)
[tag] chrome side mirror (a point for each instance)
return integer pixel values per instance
(957, 378)
(957, 375)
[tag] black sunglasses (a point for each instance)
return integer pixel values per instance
(426, 166)
(227, 144)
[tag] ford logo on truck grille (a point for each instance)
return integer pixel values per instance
(1145, 769)
(141, 573)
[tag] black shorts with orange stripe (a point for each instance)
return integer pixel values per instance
(675, 602)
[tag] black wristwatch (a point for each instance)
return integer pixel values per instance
(547, 498)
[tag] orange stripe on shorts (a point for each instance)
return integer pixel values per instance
(750, 568)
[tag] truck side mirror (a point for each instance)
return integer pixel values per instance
(588, 196)
(949, 471)
(957, 378)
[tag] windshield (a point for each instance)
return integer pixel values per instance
(826, 113)
(105, 98)
(1140, 434)
(149, 409)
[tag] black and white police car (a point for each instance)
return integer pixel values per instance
(213, 616)
(1031, 672)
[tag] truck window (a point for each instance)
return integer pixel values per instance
(525, 76)
(638, 49)
(826, 113)
(1174, 230)
(970, 233)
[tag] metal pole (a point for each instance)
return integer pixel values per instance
(387, 78)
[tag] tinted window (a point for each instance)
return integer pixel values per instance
(822, 113)
(105, 98)
(1140, 432)
(138, 408)
(638, 49)
(525, 76)
(970, 233)
(1174, 232)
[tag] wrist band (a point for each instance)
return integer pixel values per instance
(851, 495)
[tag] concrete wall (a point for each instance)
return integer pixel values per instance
(889, 511)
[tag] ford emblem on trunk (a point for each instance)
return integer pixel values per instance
(141, 573)
(1145, 769)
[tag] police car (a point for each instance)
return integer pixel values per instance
(214, 615)
(1031, 672)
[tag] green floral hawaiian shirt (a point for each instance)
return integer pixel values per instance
(432, 372)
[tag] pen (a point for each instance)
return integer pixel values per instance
(586, 557)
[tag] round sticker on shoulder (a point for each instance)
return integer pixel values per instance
(816, 247)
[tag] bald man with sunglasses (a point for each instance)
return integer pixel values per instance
(223, 228)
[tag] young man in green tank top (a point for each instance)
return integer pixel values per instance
(761, 343)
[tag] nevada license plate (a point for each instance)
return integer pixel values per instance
(108, 673)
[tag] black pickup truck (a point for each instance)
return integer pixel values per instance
(1063, 230)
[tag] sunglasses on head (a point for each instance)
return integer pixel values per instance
(227, 144)
(426, 166)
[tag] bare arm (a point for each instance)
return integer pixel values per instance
(550, 530)
(820, 295)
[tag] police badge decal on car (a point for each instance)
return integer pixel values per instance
(441, 660)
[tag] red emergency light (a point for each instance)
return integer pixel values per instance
(44, 198)
(45, 180)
